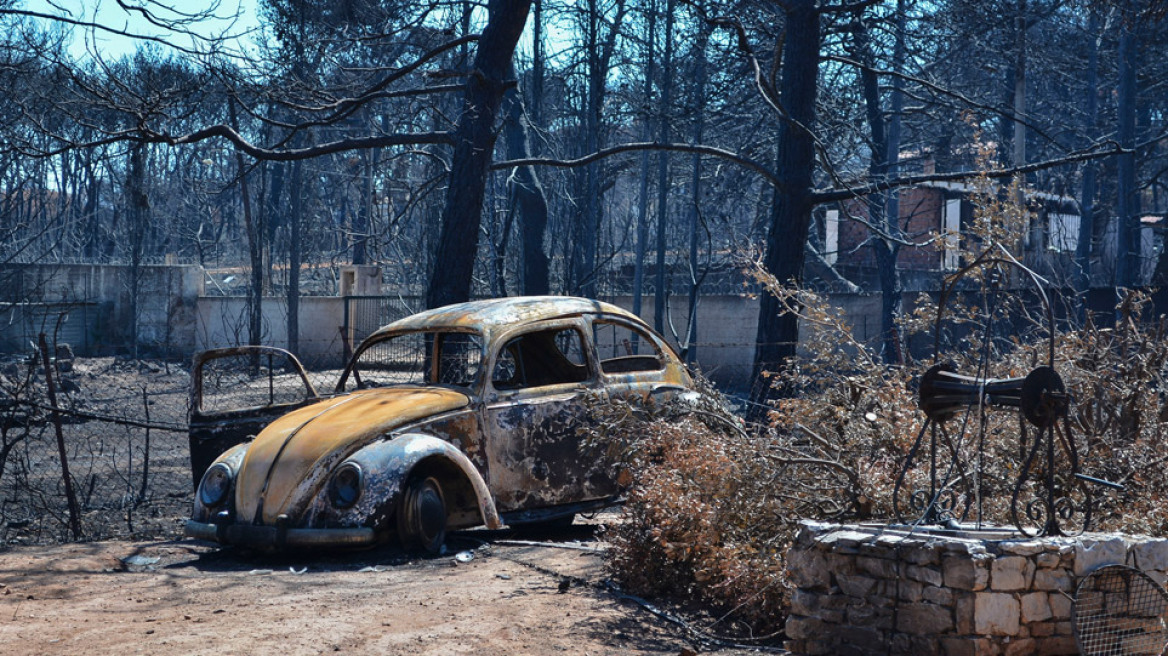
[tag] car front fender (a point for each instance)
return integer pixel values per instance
(387, 465)
(233, 457)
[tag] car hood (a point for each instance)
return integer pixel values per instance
(290, 460)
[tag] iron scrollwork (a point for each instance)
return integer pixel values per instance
(1050, 495)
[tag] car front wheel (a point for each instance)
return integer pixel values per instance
(421, 516)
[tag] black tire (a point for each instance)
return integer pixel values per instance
(421, 516)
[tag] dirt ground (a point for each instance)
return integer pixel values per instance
(187, 597)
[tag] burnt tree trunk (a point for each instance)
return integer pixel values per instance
(695, 211)
(292, 293)
(892, 288)
(643, 194)
(474, 141)
(886, 248)
(663, 169)
(364, 215)
(584, 258)
(136, 211)
(1127, 270)
(778, 331)
(528, 196)
(1087, 199)
(255, 247)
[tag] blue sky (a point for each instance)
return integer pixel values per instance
(108, 13)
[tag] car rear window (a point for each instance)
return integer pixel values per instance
(624, 349)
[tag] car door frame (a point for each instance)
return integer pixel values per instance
(213, 433)
(516, 485)
(654, 383)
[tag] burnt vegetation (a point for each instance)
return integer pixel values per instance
(642, 148)
(713, 502)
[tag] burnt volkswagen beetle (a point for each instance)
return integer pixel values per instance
(451, 418)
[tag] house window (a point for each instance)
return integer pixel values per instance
(831, 236)
(1064, 232)
(951, 234)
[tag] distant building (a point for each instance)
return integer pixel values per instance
(933, 214)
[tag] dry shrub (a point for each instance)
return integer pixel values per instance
(1117, 376)
(712, 508)
(705, 517)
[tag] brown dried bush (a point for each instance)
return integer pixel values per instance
(705, 517)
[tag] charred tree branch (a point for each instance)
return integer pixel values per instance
(292, 154)
(711, 151)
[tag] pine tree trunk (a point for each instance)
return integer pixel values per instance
(698, 109)
(292, 293)
(1087, 199)
(663, 171)
(643, 194)
(474, 141)
(528, 196)
(1127, 248)
(778, 331)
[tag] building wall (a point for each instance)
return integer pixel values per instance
(727, 326)
(920, 207)
(222, 321)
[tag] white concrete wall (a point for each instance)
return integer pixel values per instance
(727, 326)
(166, 299)
(174, 317)
(222, 321)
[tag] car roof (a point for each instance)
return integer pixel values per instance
(485, 315)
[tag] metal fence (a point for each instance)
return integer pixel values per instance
(365, 314)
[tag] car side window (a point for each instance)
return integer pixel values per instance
(536, 359)
(624, 349)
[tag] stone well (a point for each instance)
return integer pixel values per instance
(879, 589)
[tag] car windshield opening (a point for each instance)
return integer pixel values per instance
(420, 358)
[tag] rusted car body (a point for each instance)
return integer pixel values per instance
(450, 418)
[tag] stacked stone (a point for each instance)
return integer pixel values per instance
(867, 589)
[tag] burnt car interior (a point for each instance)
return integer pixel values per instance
(536, 359)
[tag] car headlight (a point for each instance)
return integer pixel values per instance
(216, 485)
(345, 486)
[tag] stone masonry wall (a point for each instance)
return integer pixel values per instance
(873, 589)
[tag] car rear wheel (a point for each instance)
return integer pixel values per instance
(421, 516)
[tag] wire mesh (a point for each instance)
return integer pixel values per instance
(1121, 611)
